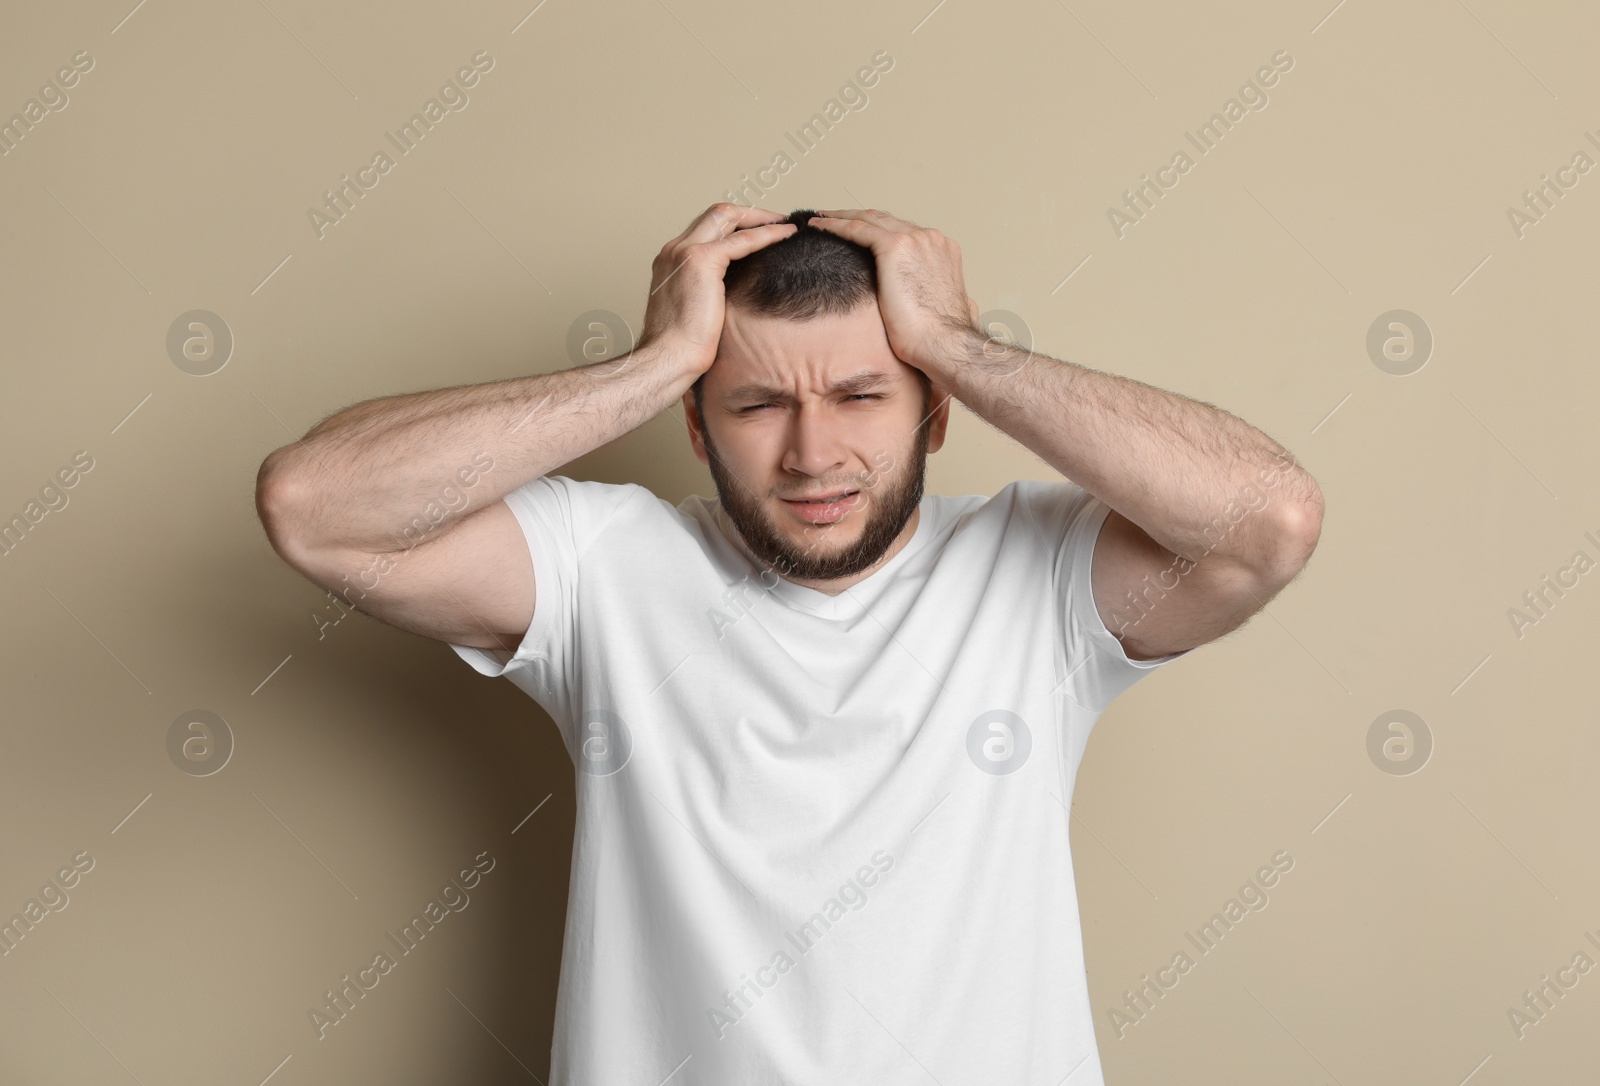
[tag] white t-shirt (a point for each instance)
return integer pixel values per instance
(820, 839)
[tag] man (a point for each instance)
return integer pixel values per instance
(826, 726)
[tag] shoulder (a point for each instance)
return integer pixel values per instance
(1043, 510)
(586, 506)
(563, 516)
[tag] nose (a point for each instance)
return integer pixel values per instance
(815, 445)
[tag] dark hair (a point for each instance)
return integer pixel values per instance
(807, 274)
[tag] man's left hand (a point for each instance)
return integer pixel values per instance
(921, 295)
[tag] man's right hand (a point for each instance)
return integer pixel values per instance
(687, 304)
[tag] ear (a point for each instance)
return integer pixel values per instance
(938, 416)
(692, 417)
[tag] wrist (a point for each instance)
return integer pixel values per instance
(677, 367)
(685, 360)
(952, 352)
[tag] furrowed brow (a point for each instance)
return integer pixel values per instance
(865, 381)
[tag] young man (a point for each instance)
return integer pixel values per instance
(826, 726)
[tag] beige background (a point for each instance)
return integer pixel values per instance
(371, 765)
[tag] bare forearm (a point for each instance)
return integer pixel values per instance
(1170, 464)
(365, 477)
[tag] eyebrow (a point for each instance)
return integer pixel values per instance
(865, 381)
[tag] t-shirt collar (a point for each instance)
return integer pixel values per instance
(853, 599)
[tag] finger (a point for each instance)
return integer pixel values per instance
(882, 218)
(722, 219)
(730, 248)
(851, 229)
(744, 242)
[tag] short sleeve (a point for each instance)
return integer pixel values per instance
(1098, 667)
(560, 518)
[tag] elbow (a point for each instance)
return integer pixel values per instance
(276, 485)
(287, 504)
(1307, 518)
(1299, 533)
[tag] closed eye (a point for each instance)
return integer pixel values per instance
(857, 396)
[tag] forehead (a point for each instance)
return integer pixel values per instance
(775, 350)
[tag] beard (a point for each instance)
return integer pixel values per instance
(892, 498)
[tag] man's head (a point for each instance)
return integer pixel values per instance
(806, 399)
